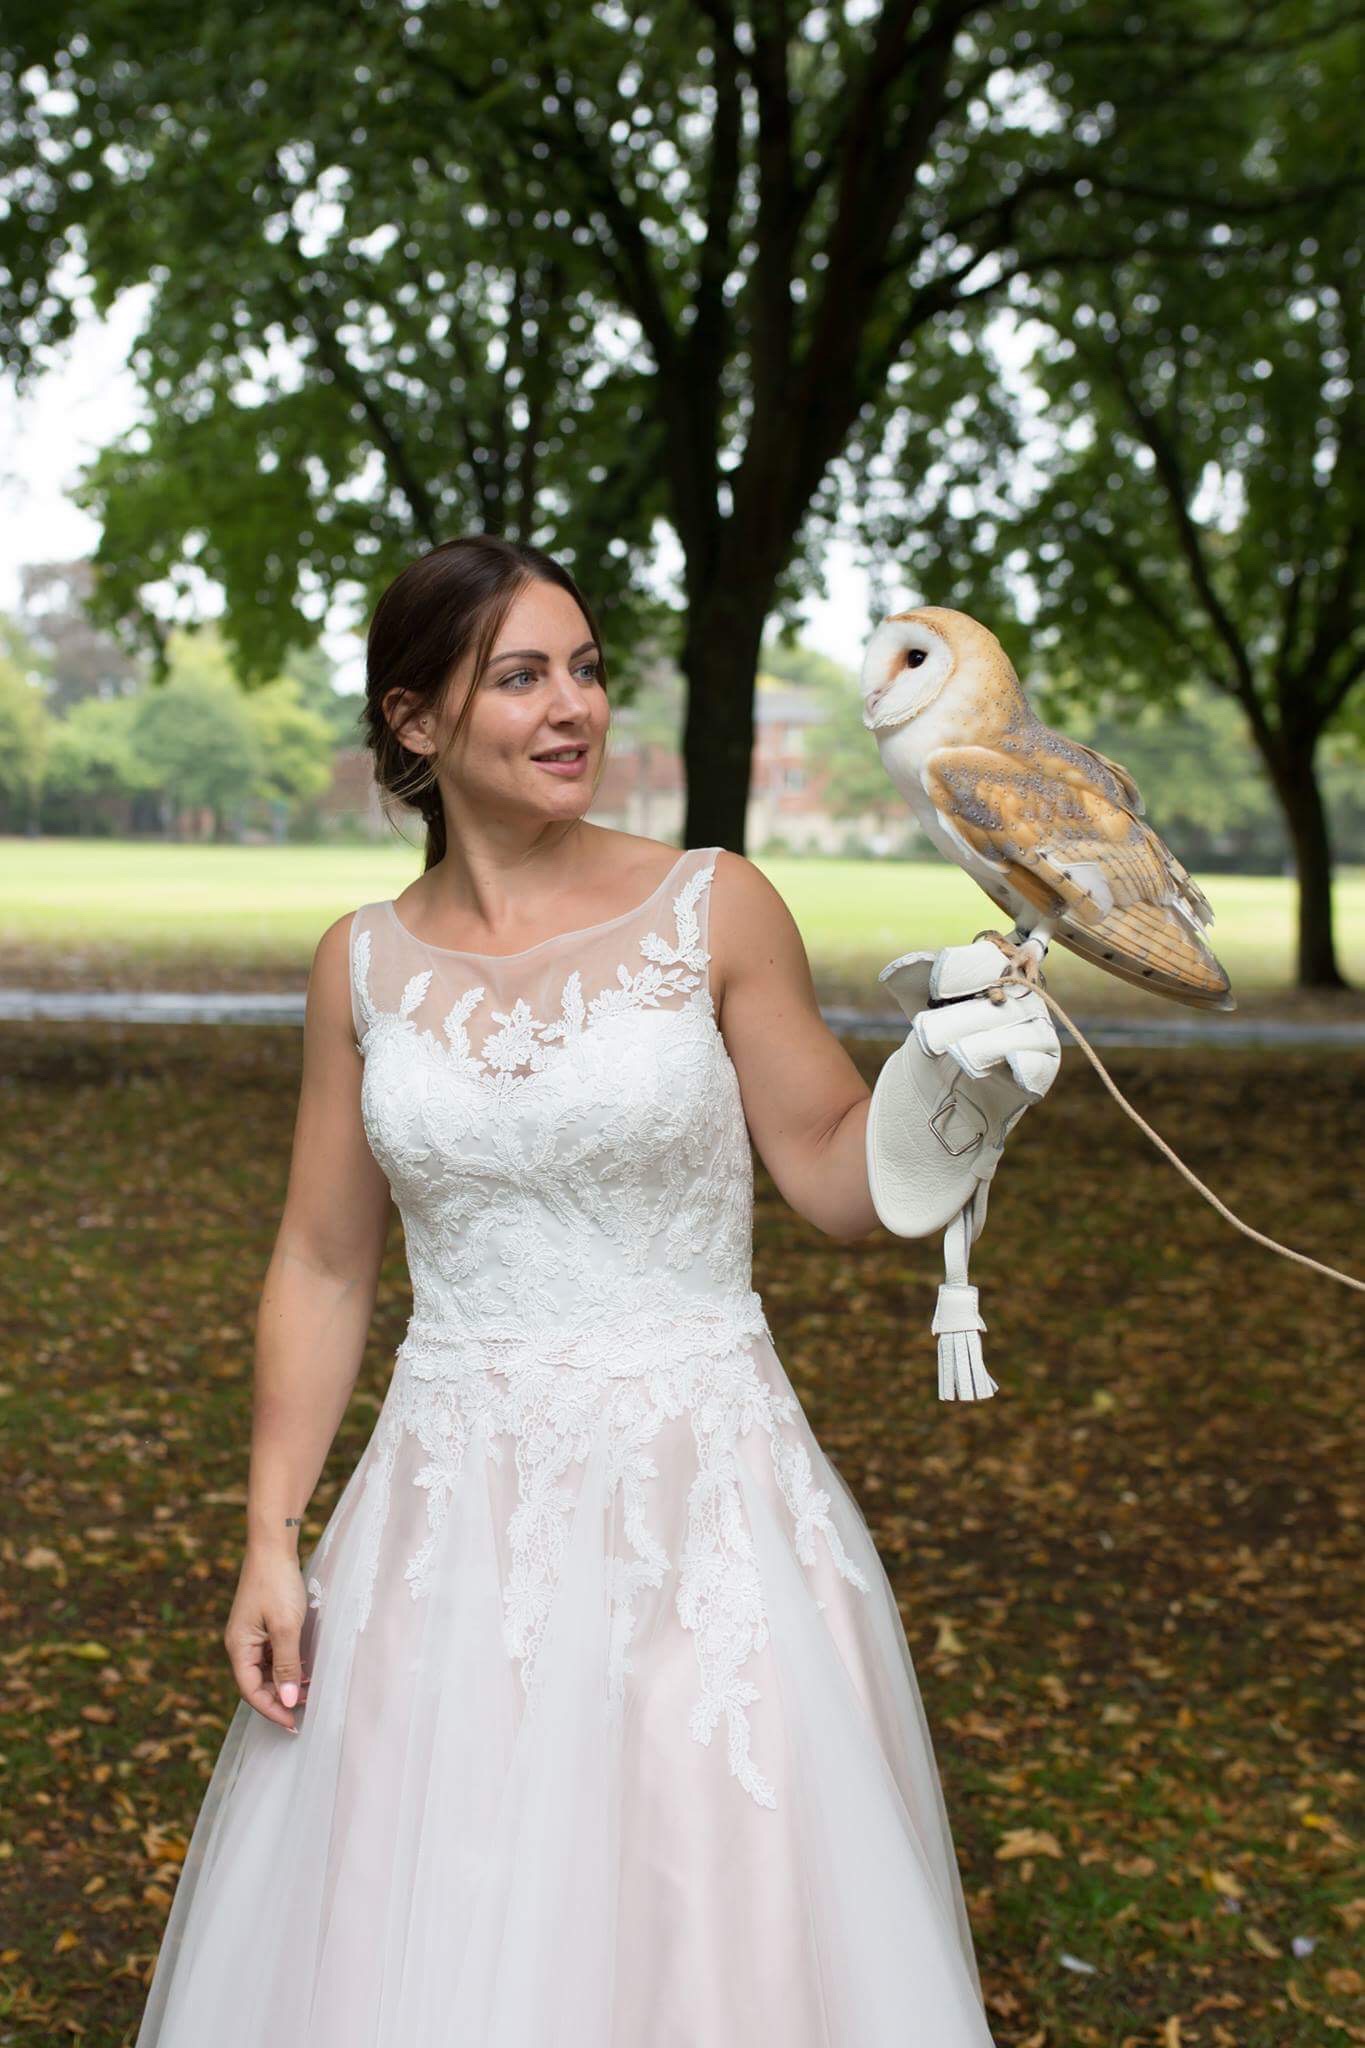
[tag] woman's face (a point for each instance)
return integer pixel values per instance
(539, 693)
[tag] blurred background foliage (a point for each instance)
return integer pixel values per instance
(1053, 309)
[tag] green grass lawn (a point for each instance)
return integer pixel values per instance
(101, 912)
(1131, 1582)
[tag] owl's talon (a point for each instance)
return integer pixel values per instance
(1024, 963)
(1028, 968)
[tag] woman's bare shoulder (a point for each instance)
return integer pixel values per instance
(335, 942)
(750, 927)
(329, 979)
(746, 898)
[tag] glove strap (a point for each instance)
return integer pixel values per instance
(962, 1374)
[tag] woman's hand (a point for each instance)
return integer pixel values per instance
(263, 1636)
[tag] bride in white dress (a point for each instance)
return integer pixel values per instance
(589, 1721)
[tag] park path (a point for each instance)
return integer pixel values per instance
(167, 1006)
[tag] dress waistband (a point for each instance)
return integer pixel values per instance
(618, 1344)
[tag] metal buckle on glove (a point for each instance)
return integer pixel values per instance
(952, 1102)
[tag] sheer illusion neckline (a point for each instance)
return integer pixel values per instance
(556, 938)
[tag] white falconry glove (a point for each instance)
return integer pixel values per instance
(941, 1110)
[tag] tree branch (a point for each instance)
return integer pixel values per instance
(1171, 477)
(307, 308)
(630, 260)
(707, 343)
(1211, 50)
(1001, 217)
(879, 167)
(1333, 623)
(1342, 689)
(777, 225)
(1137, 586)
(1334, 617)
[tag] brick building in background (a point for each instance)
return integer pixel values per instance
(642, 786)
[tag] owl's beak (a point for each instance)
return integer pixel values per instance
(870, 719)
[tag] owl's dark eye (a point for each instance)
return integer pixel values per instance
(915, 657)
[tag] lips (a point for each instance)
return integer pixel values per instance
(562, 754)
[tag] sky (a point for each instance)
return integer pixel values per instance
(89, 395)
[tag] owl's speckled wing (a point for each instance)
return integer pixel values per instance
(1059, 822)
(1047, 816)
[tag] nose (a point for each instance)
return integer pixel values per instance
(567, 698)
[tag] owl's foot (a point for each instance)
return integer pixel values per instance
(1025, 962)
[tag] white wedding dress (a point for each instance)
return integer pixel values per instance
(613, 1738)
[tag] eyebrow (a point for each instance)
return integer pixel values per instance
(534, 653)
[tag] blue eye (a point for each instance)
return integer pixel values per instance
(593, 669)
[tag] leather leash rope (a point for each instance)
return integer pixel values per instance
(1273, 1244)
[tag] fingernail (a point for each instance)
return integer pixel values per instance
(289, 1693)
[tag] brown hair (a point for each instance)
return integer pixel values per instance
(451, 600)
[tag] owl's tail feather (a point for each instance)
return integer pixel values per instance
(1155, 946)
(1190, 889)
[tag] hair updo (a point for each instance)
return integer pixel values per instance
(449, 602)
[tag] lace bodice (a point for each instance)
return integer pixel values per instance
(561, 1128)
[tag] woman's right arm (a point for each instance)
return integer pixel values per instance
(314, 1317)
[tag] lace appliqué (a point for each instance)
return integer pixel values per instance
(521, 1040)
(452, 1400)
(577, 1204)
(720, 1588)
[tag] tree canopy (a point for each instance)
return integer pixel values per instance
(569, 272)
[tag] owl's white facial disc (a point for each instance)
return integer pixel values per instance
(906, 665)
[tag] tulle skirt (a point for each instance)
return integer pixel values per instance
(612, 1740)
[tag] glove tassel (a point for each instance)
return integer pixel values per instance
(962, 1374)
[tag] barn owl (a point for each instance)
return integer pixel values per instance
(1050, 829)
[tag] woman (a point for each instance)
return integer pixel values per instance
(589, 1722)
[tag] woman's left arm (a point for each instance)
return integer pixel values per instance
(804, 1100)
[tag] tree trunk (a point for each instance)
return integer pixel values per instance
(1296, 783)
(720, 661)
